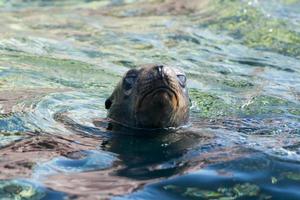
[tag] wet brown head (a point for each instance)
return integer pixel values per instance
(153, 96)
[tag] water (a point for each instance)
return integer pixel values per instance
(60, 60)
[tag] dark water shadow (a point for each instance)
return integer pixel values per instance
(155, 157)
(257, 176)
(146, 154)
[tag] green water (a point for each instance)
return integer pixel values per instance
(60, 60)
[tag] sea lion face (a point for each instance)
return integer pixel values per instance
(150, 97)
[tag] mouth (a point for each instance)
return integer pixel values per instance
(159, 94)
(156, 108)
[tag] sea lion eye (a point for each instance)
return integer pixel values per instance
(182, 80)
(128, 82)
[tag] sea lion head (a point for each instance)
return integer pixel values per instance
(153, 96)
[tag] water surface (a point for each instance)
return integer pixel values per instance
(60, 60)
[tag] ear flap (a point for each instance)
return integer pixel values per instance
(108, 103)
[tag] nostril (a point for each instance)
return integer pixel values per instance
(160, 70)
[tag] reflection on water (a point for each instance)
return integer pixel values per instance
(80, 161)
(161, 156)
(254, 177)
(60, 60)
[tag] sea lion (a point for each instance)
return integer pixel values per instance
(150, 97)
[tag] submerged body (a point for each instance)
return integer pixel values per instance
(153, 96)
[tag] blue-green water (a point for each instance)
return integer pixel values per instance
(60, 60)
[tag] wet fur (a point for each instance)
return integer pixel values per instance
(156, 99)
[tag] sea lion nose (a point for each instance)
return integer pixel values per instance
(160, 71)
